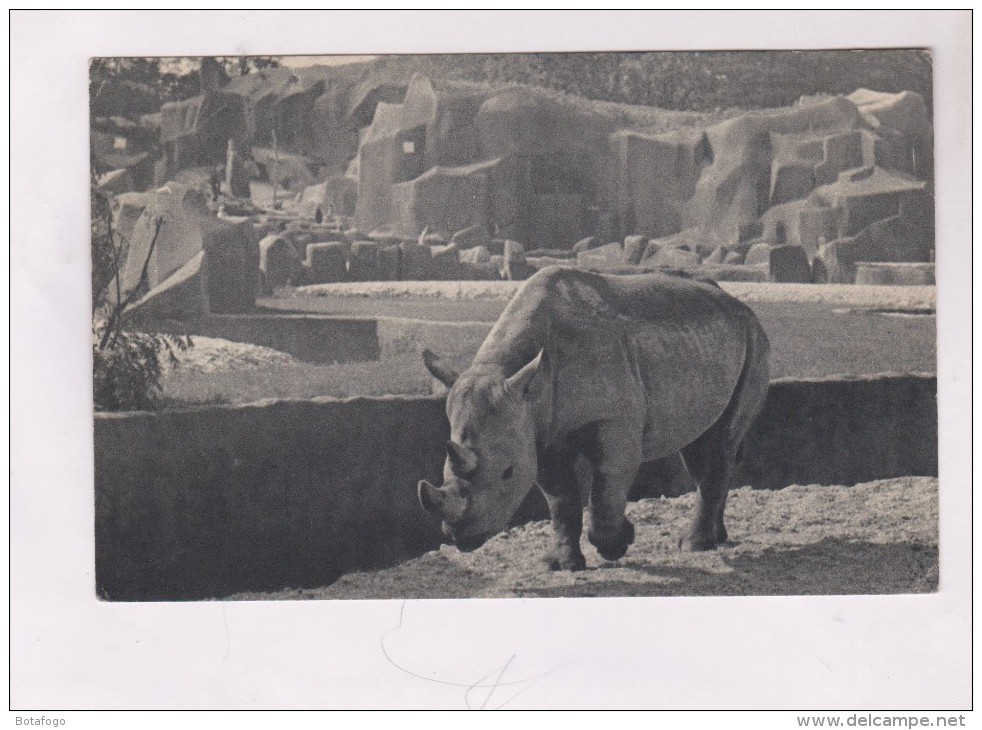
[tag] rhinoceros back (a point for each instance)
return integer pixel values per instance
(665, 350)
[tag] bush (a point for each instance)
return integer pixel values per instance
(126, 374)
(127, 366)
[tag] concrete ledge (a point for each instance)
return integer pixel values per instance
(212, 501)
(894, 274)
(846, 295)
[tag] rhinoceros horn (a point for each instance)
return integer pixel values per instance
(463, 461)
(442, 502)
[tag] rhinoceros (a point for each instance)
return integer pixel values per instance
(620, 370)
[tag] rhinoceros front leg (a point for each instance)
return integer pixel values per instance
(614, 450)
(610, 530)
(557, 480)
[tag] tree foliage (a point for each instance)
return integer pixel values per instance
(684, 80)
(690, 80)
(130, 87)
(126, 87)
(127, 366)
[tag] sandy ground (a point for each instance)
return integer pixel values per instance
(210, 355)
(844, 295)
(874, 538)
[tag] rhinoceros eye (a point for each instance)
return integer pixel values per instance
(506, 474)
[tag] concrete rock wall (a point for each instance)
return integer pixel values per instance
(213, 501)
(843, 430)
(195, 263)
(547, 170)
(821, 170)
(217, 500)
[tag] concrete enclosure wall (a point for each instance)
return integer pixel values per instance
(213, 501)
(843, 430)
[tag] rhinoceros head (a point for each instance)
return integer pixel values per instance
(491, 457)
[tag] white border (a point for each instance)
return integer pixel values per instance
(69, 651)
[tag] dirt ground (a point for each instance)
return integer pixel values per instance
(874, 538)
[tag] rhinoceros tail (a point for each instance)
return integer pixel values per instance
(751, 390)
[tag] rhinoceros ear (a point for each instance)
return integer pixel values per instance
(440, 371)
(524, 383)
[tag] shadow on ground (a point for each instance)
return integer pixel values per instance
(832, 566)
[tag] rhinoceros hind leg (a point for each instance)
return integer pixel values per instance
(712, 457)
(693, 542)
(710, 462)
(719, 530)
(706, 532)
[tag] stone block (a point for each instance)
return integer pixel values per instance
(416, 261)
(718, 256)
(759, 253)
(674, 257)
(634, 247)
(894, 274)
(585, 244)
(445, 263)
(363, 264)
(476, 235)
(475, 255)
(601, 258)
(789, 265)
(389, 263)
(279, 264)
(328, 262)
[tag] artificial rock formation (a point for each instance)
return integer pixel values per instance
(194, 262)
(844, 178)
(548, 172)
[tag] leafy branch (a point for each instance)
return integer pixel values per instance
(127, 366)
(122, 303)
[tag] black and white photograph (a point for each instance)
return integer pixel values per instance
(500, 335)
(345, 312)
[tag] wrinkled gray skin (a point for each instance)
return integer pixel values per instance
(619, 370)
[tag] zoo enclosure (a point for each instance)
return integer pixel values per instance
(212, 501)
